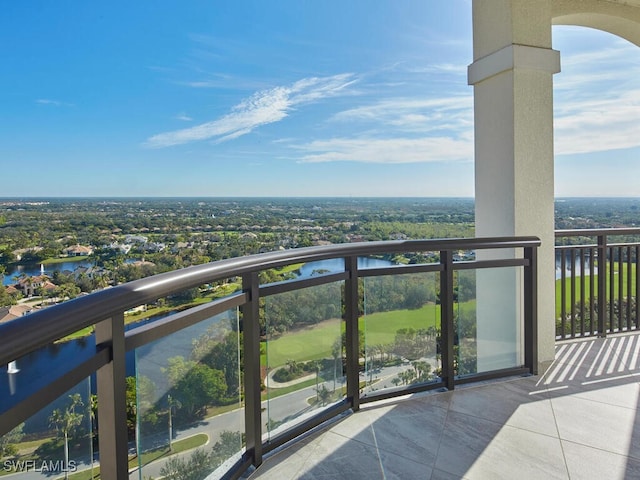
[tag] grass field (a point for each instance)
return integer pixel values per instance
(310, 343)
(316, 342)
(50, 261)
(148, 457)
(587, 290)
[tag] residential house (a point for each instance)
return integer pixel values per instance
(78, 251)
(13, 311)
(30, 285)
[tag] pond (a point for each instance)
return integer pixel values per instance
(35, 370)
(39, 269)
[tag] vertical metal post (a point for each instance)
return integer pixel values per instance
(602, 284)
(251, 343)
(583, 293)
(592, 290)
(620, 288)
(112, 411)
(531, 310)
(573, 292)
(628, 277)
(446, 318)
(351, 300)
(612, 289)
(637, 319)
(563, 293)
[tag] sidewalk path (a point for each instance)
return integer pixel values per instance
(271, 383)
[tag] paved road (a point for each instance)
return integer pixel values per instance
(290, 405)
(287, 407)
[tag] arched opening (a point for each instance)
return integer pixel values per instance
(596, 115)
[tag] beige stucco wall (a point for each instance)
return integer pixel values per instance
(621, 18)
(512, 75)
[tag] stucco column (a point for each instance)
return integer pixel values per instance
(513, 96)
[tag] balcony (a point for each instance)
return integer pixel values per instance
(424, 406)
(363, 335)
(579, 420)
(599, 282)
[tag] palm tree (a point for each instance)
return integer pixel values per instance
(172, 403)
(65, 421)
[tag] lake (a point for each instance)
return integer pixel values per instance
(36, 269)
(38, 368)
(334, 265)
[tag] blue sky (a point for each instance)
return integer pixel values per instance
(286, 98)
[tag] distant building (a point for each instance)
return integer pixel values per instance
(141, 263)
(136, 239)
(78, 251)
(20, 252)
(153, 247)
(13, 311)
(122, 247)
(11, 290)
(29, 285)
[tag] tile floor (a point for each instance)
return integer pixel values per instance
(578, 421)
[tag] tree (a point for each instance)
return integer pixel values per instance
(172, 403)
(67, 290)
(423, 370)
(223, 356)
(229, 444)
(9, 440)
(185, 296)
(323, 395)
(6, 298)
(336, 353)
(131, 405)
(200, 387)
(42, 292)
(65, 422)
(177, 368)
(196, 468)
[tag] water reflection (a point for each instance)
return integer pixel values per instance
(34, 269)
(577, 266)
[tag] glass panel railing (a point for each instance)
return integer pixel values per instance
(55, 442)
(489, 319)
(34, 371)
(465, 345)
(302, 355)
(186, 398)
(400, 331)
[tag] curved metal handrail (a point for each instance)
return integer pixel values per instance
(583, 286)
(58, 321)
(105, 310)
(593, 232)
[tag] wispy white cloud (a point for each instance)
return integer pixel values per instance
(389, 151)
(401, 130)
(53, 103)
(441, 68)
(597, 100)
(598, 124)
(416, 114)
(264, 107)
(184, 117)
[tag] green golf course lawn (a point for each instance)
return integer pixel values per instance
(312, 343)
(587, 287)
